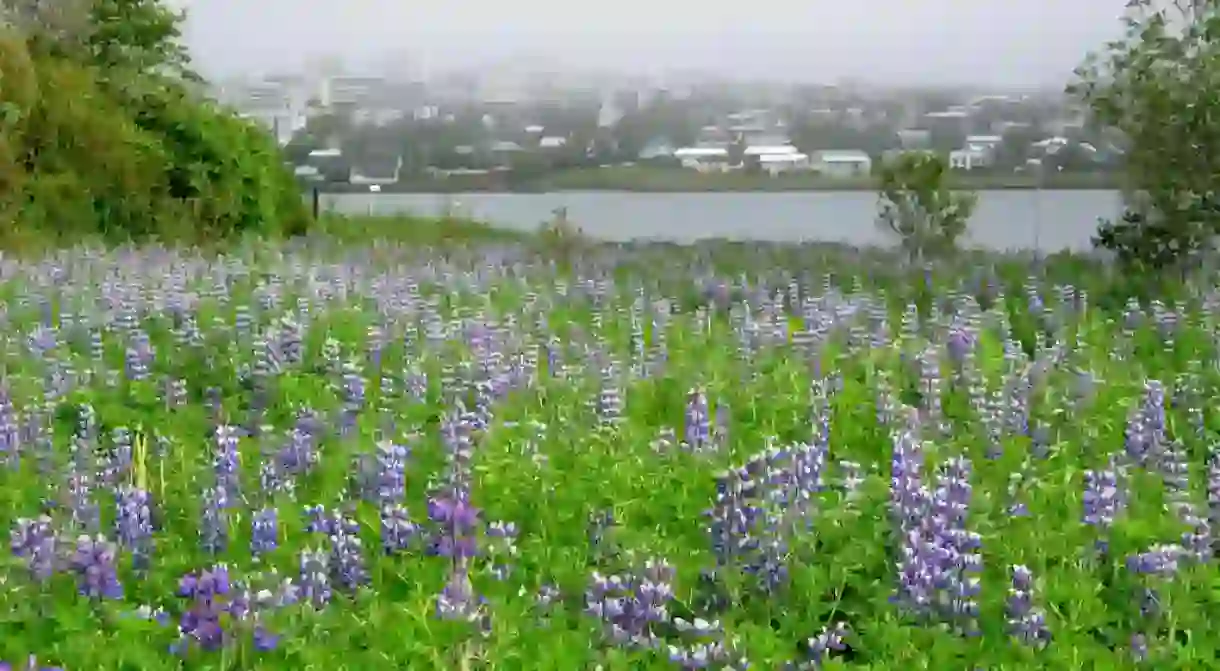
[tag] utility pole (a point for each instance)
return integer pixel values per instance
(1038, 208)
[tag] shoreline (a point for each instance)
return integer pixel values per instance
(630, 180)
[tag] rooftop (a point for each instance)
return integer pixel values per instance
(700, 152)
(766, 150)
(843, 156)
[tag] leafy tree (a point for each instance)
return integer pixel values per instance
(812, 136)
(917, 207)
(1016, 147)
(103, 133)
(1156, 87)
(1071, 157)
(137, 36)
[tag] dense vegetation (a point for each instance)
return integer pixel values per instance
(408, 446)
(102, 135)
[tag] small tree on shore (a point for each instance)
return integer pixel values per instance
(1156, 87)
(918, 209)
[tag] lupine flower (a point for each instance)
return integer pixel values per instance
(93, 562)
(458, 601)
(133, 524)
(202, 621)
(454, 520)
(35, 542)
(398, 532)
(225, 461)
(1026, 622)
(264, 532)
(214, 525)
(10, 438)
(1161, 561)
(392, 477)
(631, 606)
(347, 557)
(697, 422)
(315, 578)
(821, 646)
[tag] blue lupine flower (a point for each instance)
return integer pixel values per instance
(93, 562)
(264, 532)
(35, 542)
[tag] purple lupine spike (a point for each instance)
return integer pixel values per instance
(264, 532)
(315, 578)
(34, 541)
(202, 622)
(93, 562)
(697, 421)
(1026, 622)
(133, 524)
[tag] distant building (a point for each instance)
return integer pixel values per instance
(914, 138)
(703, 159)
(777, 158)
(985, 140)
(774, 164)
(350, 90)
(376, 171)
(329, 165)
(656, 150)
(377, 117)
(849, 163)
(770, 150)
(971, 157)
(978, 152)
(713, 136)
(1050, 145)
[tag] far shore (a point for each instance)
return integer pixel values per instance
(673, 180)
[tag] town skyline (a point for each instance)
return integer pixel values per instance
(939, 43)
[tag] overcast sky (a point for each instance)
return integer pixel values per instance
(1002, 42)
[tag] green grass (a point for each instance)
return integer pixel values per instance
(647, 179)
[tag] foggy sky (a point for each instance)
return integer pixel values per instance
(1000, 42)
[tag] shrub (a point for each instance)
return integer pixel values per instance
(102, 135)
(1155, 89)
(917, 207)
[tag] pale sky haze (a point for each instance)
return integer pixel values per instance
(1000, 42)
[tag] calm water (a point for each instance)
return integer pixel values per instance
(1014, 219)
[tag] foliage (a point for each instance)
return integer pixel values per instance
(772, 485)
(812, 135)
(662, 119)
(919, 208)
(560, 238)
(103, 136)
(1156, 86)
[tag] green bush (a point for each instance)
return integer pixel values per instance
(91, 147)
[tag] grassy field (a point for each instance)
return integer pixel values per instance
(455, 448)
(677, 179)
(666, 180)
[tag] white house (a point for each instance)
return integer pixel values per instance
(971, 157)
(375, 173)
(770, 150)
(846, 163)
(985, 140)
(703, 159)
(778, 163)
(655, 150)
